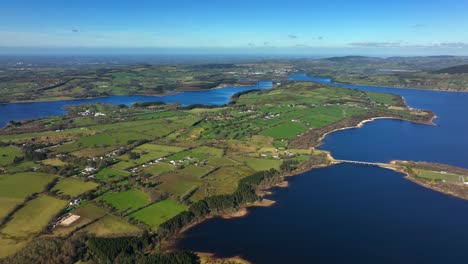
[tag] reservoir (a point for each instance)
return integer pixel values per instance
(22, 111)
(346, 213)
(352, 213)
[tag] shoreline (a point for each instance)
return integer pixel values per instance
(333, 81)
(433, 187)
(393, 165)
(363, 122)
(221, 86)
(243, 211)
(211, 258)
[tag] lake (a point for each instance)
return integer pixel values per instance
(351, 213)
(23, 111)
(346, 213)
(386, 140)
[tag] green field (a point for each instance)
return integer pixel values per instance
(23, 167)
(88, 212)
(288, 130)
(187, 154)
(8, 154)
(73, 187)
(15, 188)
(442, 176)
(111, 225)
(177, 183)
(382, 98)
(260, 164)
(221, 181)
(54, 162)
(158, 213)
(159, 168)
(108, 174)
(132, 146)
(127, 200)
(160, 148)
(28, 222)
(197, 171)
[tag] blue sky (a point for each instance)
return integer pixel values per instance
(294, 26)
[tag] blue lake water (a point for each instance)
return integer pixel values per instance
(22, 111)
(351, 213)
(385, 140)
(346, 213)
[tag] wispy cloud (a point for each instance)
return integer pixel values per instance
(405, 44)
(250, 44)
(419, 26)
(375, 44)
(454, 44)
(75, 30)
(292, 36)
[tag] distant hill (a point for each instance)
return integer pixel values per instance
(355, 59)
(454, 70)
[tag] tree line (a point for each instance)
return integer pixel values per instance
(245, 193)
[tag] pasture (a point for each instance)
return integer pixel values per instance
(14, 188)
(73, 187)
(88, 212)
(111, 225)
(260, 164)
(28, 222)
(440, 176)
(109, 174)
(158, 213)
(125, 201)
(177, 183)
(8, 154)
(288, 130)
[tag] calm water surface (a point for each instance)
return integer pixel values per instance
(357, 213)
(345, 213)
(385, 140)
(22, 111)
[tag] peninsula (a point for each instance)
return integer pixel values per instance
(105, 180)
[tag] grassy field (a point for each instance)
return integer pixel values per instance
(288, 130)
(54, 162)
(156, 214)
(442, 176)
(22, 167)
(28, 222)
(15, 188)
(73, 187)
(127, 200)
(222, 181)
(8, 154)
(260, 164)
(178, 183)
(381, 98)
(159, 168)
(211, 151)
(109, 174)
(87, 212)
(160, 148)
(111, 225)
(197, 171)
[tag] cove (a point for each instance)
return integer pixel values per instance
(23, 111)
(386, 140)
(342, 214)
(352, 213)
